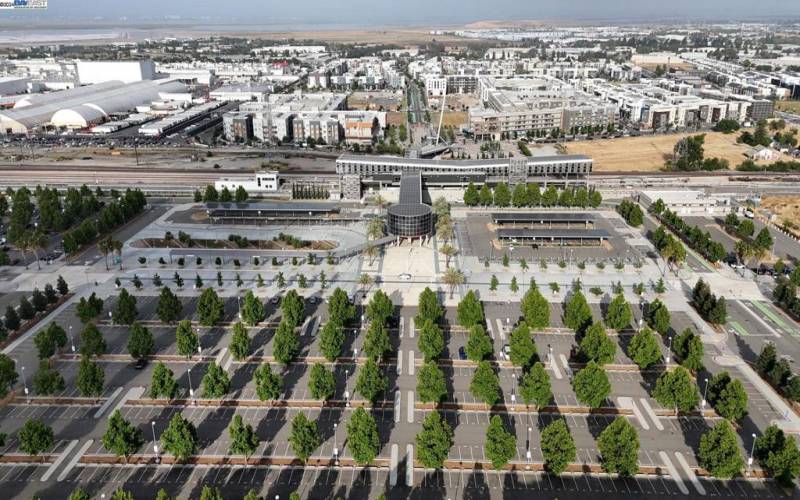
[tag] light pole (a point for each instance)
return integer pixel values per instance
(24, 384)
(346, 392)
(528, 449)
(669, 349)
(155, 442)
(705, 391)
(71, 340)
(239, 303)
(335, 448)
(355, 355)
(191, 390)
(752, 451)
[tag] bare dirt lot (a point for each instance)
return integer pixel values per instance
(787, 208)
(648, 153)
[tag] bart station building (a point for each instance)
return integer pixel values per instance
(552, 237)
(410, 218)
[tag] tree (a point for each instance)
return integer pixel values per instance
(241, 195)
(470, 311)
(619, 448)
(558, 447)
(252, 309)
(140, 343)
(304, 437)
(727, 396)
(88, 309)
(471, 196)
(500, 445)
(448, 251)
(47, 381)
(268, 385)
(493, 282)
(502, 195)
(92, 342)
(216, 382)
(676, 389)
(120, 494)
(49, 340)
(286, 345)
(376, 343)
(340, 310)
(35, 437)
(719, 451)
(331, 340)
(380, 308)
(186, 339)
(362, 436)
(434, 441)
(244, 440)
(50, 294)
(619, 314)
(479, 344)
(577, 315)
(26, 310)
(689, 348)
(535, 309)
(240, 342)
(79, 494)
(431, 340)
(122, 438)
(61, 286)
(643, 349)
(591, 385)
(429, 307)
(126, 311)
(169, 307)
(766, 359)
(452, 278)
(658, 317)
(763, 239)
(252, 495)
(485, 196)
(485, 385)
(431, 384)
(597, 346)
(8, 375)
(91, 378)
(210, 308)
(180, 438)
(371, 381)
(11, 318)
(719, 313)
(535, 387)
(38, 300)
(210, 492)
(162, 383)
(321, 382)
(522, 348)
(778, 455)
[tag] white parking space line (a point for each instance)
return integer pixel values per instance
(402, 329)
(411, 330)
(74, 460)
(410, 410)
(564, 362)
(399, 362)
(133, 393)
(410, 465)
(397, 398)
(649, 410)
(689, 472)
(107, 403)
(393, 466)
(629, 404)
(500, 329)
(304, 327)
(63, 456)
(411, 366)
(491, 329)
(554, 366)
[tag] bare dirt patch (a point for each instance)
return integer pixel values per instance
(787, 208)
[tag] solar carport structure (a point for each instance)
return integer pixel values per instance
(552, 237)
(258, 213)
(410, 218)
(544, 219)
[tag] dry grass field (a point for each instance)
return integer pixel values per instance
(788, 106)
(787, 208)
(648, 153)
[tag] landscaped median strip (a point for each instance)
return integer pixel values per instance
(257, 403)
(175, 358)
(558, 410)
(145, 459)
(611, 367)
(24, 458)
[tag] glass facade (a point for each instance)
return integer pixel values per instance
(410, 221)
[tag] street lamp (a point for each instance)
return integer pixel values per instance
(528, 449)
(355, 354)
(335, 448)
(513, 400)
(191, 390)
(669, 349)
(752, 451)
(705, 391)
(24, 384)
(71, 340)
(155, 442)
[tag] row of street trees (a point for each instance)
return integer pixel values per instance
(530, 195)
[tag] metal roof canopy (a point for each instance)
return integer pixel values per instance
(273, 207)
(560, 234)
(410, 189)
(543, 217)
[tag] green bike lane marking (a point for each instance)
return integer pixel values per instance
(774, 317)
(699, 257)
(739, 328)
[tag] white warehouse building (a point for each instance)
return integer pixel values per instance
(82, 106)
(91, 72)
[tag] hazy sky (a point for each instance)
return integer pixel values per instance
(419, 12)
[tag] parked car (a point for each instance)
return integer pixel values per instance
(462, 354)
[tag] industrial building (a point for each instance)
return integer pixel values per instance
(82, 107)
(264, 182)
(91, 72)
